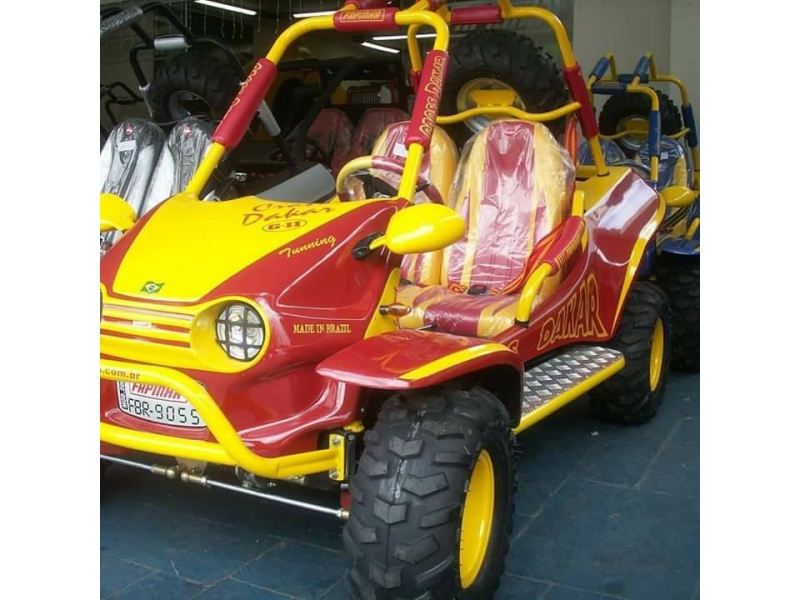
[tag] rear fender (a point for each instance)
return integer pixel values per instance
(412, 359)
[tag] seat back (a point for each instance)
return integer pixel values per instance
(371, 125)
(439, 167)
(513, 187)
(333, 131)
(672, 163)
(186, 146)
(128, 160)
(612, 153)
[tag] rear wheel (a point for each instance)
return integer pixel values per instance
(432, 500)
(495, 59)
(679, 277)
(634, 395)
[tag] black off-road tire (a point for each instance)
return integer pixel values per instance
(403, 534)
(199, 73)
(631, 104)
(627, 397)
(511, 58)
(679, 277)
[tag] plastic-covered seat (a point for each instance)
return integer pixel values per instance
(438, 166)
(128, 160)
(672, 164)
(185, 148)
(513, 189)
(371, 125)
(333, 131)
(612, 153)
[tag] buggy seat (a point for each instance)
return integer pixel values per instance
(672, 163)
(186, 146)
(439, 167)
(333, 131)
(128, 160)
(513, 189)
(612, 153)
(371, 125)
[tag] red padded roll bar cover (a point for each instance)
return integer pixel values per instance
(429, 95)
(560, 252)
(476, 15)
(577, 86)
(245, 105)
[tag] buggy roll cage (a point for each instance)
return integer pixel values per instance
(645, 72)
(359, 16)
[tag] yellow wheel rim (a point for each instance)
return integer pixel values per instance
(656, 355)
(476, 524)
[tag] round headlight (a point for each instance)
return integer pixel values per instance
(240, 331)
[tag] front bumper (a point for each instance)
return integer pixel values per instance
(229, 448)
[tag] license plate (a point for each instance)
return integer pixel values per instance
(156, 403)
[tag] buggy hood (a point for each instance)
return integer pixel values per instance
(185, 248)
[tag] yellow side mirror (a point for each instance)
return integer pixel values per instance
(677, 196)
(115, 213)
(421, 228)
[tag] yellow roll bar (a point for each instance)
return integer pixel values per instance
(415, 17)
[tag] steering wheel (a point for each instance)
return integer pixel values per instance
(319, 153)
(360, 168)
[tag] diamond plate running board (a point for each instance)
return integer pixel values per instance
(550, 385)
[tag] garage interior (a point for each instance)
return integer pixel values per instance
(602, 510)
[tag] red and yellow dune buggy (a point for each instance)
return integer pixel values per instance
(387, 348)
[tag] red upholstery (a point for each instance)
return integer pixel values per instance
(370, 126)
(513, 188)
(439, 167)
(461, 314)
(333, 131)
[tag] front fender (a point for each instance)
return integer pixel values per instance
(412, 359)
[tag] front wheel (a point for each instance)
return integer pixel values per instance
(433, 499)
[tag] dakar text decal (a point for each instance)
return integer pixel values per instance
(320, 328)
(238, 98)
(362, 15)
(317, 243)
(578, 318)
(276, 217)
(433, 91)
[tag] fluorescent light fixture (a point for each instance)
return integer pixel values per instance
(221, 6)
(381, 48)
(321, 13)
(388, 38)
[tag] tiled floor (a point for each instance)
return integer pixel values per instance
(603, 512)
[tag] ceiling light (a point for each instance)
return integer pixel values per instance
(221, 6)
(321, 13)
(387, 38)
(381, 48)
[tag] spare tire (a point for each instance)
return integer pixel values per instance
(501, 59)
(193, 84)
(618, 112)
